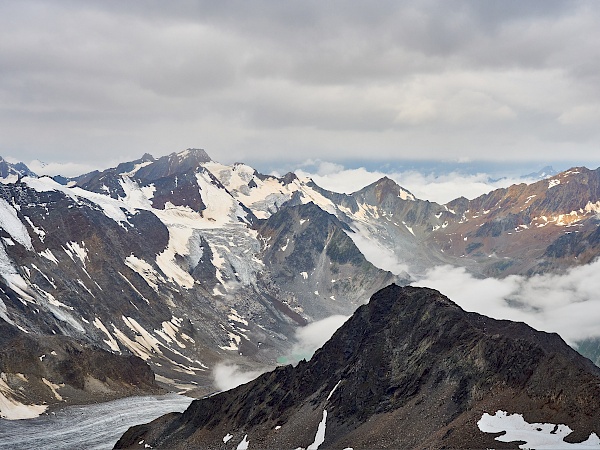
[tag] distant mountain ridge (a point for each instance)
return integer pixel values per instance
(409, 369)
(11, 172)
(186, 262)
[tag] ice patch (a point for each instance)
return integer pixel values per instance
(227, 438)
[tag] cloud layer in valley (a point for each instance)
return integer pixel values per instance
(98, 82)
(568, 304)
(312, 337)
(437, 187)
(228, 375)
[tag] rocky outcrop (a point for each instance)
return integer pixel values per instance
(58, 370)
(409, 369)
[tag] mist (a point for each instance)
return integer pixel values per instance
(228, 375)
(312, 337)
(568, 304)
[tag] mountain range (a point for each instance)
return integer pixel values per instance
(184, 262)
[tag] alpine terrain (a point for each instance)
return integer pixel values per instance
(152, 273)
(408, 370)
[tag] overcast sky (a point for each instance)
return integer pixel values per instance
(93, 83)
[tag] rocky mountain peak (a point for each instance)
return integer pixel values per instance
(382, 190)
(147, 157)
(412, 357)
(15, 170)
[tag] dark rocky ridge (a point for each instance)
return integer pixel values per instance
(412, 369)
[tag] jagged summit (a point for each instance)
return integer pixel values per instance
(544, 172)
(410, 357)
(197, 154)
(12, 172)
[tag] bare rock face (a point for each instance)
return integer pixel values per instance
(409, 369)
(58, 370)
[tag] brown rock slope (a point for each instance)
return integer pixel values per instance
(409, 369)
(59, 370)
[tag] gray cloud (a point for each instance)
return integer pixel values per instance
(100, 81)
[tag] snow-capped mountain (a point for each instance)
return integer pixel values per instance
(156, 258)
(12, 172)
(408, 370)
(185, 262)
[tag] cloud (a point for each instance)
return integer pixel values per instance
(332, 80)
(312, 337)
(567, 304)
(378, 255)
(440, 188)
(228, 375)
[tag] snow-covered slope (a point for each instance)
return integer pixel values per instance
(159, 259)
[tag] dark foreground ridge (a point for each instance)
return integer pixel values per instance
(409, 369)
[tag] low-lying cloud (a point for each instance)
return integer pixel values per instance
(312, 337)
(228, 375)
(568, 304)
(440, 188)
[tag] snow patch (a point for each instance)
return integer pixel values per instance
(145, 270)
(552, 183)
(536, 435)
(10, 222)
(243, 445)
(320, 435)
(49, 256)
(12, 409)
(111, 342)
(53, 387)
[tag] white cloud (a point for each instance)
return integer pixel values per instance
(438, 188)
(313, 336)
(229, 375)
(567, 304)
(378, 255)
